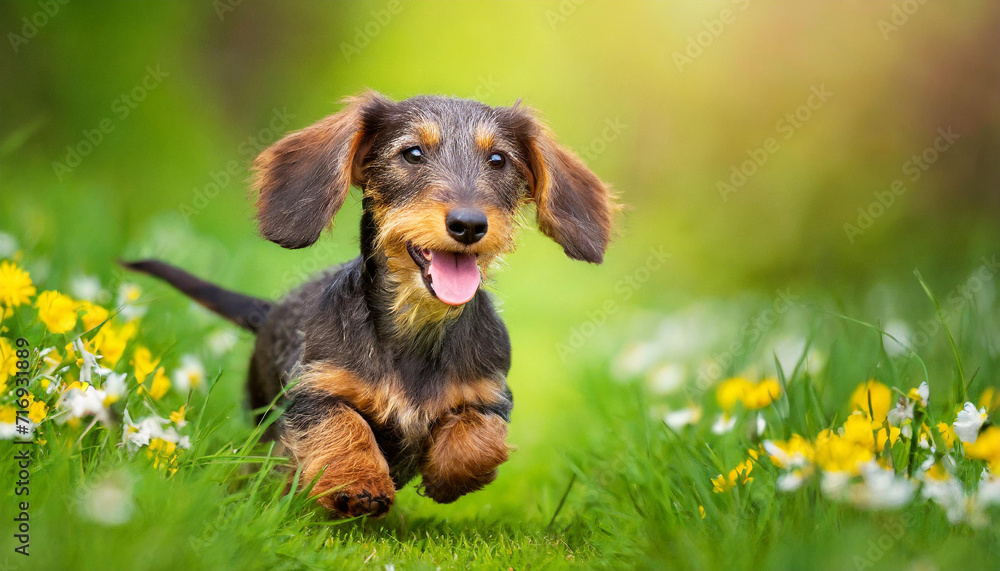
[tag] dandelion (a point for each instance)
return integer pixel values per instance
(56, 311)
(792, 453)
(753, 396)
(93, 315)
(8, 362)
(731, 391)
(762, 394)
(969, 422)
(190, 375)
(15, 285)
(872, 435)
(880, 396)
(678, 419)
(836, 454)
(112, 341)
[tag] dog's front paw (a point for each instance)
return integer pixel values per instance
(369, 497)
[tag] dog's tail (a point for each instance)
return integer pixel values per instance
(246, 311)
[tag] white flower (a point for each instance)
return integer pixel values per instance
(666, 378)
(109, 502)
(678, 419)
(784, 459)
(128, 295)
(221, 342)
(925, 393)
(86, 287)
(8, 245)
(190, 375)
(138, 434)
(632, 361)
(88, 402)
(790, 481)
(834, 484)
(881, 488)
(761, 424)
(969, 422)
(723, 423)
(900, 330)
(903, 411)
(114, 385)
(989, 490)
(8, 431)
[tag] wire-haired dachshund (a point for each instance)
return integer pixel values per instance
(395, 362)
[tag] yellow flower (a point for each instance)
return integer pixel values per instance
(990, 399)
(701, 510)
(860, 430)
(731, 391)
(57, 311)
(177, 417)
(762, 394)
(986, 447)
(15, 285)
(8, 415)
(158, 386)
(881, 399)
(790, 453)
(740, 473)
(93, 315)
(144, 364)
(8, 362)
(947, 432)
(937, 472)
(834, 453)
(37, 411)
(111, 342)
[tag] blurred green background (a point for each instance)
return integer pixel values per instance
(127, 129)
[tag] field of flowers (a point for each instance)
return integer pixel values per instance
(697, 452)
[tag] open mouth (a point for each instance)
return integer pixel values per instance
(452, 277)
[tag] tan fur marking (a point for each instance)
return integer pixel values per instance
(466, 448)
(414, 309)
(485, 137)
(355, 476)
(385, 401)
(429, 132)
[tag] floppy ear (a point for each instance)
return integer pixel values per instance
(302, 180)
(574, 207)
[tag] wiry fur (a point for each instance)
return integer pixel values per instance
(385, 380)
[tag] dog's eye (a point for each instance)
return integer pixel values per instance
(497, 160)
(413, 155)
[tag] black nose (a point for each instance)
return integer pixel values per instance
(467, 225)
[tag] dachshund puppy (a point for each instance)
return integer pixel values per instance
(395, 363)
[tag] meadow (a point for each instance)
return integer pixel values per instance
(789, 359)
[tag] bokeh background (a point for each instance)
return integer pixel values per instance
(127, 129)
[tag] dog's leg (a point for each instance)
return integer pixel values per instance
(464, 451)
(326, 435)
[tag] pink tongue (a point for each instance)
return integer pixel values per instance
(454, 277)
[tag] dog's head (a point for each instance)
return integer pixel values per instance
(443, 178)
